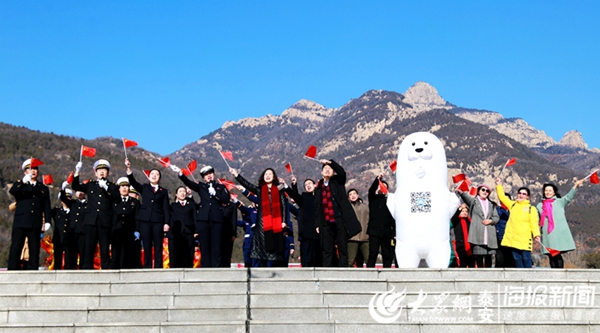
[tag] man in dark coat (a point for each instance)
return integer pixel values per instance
(382, 226)
(310, 248)
(32, 210)
(75, 234)
(126, 251)
(336, 220)
(61, 217)
(98, 220)
(209, 216)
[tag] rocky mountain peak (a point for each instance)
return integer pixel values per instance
(423, 96)
(573, 139)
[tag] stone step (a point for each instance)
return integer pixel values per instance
(148, 327)
(117, 315)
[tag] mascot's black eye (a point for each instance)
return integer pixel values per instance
(425, 142)
(413, 143)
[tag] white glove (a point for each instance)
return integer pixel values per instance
(46, 226)
(211, 190)
(137, 235)
(78, 167)
(64, 185)
(26, 178)
(103, 184)
(175, 168)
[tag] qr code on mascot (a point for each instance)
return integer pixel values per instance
(420, 202)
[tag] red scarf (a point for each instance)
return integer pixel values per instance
(327, 202)
(271, 209)
(465, 231)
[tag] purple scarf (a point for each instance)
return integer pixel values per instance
(547, 212)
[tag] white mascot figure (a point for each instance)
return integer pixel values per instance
(422, 204)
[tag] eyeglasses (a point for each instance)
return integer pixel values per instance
(483, 189)
(523, 193)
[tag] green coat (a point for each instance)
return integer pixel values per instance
(560, 238)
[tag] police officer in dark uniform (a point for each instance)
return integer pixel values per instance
(98, 220)
(75, 235)
(126, 251)
(209, 216)
(182, 230)
(32, 217)
(61, 216)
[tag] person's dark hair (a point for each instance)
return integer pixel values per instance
(307, 179)
(386, 184)
(526, 190)
(261, 178)
(177, 190)
(553, 187)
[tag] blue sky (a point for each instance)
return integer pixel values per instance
(167, 73)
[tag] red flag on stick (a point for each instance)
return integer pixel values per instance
(393, 165)
(510, 162)
(35, 163)
(228, 155)
(463, 186)
(382, 187)
(70, 178)
(458, 178)
(553, 252)
(288, 167)
(311, 152)
(88, 151)
(229, 185)
(147, 173)
(192, 166)
(186, 172)
(47, 179)
(473, 191)
(129, 143)
(165, 161)
(594, 178)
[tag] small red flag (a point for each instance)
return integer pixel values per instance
(460, 177)
(228, 183)
(382, 187)
(473, 191)
(88, 151)
(288, 167)
(129, 143)
(311, 152)
(192, 166)
(594, 178)
(393, 165)
(48, 179)
(464, 187)
(147, 173)
(227, 155)
(70, 178)
(186, 172)
(35, 163)
(166, 162)
(510, 162)
(553, 252)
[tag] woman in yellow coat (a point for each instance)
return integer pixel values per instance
(522, 225)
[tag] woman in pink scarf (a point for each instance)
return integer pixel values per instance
(553, 222)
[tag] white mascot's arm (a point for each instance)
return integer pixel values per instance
(453, 203)
(391, 204)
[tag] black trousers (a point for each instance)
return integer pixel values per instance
(61, 253)
(310, 253)
(152, 235)
(333, 234)
(181, 250)
(76, 246)
(126, 251)
(209, 234)
(387, 251)
(93, 236)
(16, 247)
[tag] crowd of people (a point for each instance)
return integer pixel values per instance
(335, 226)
